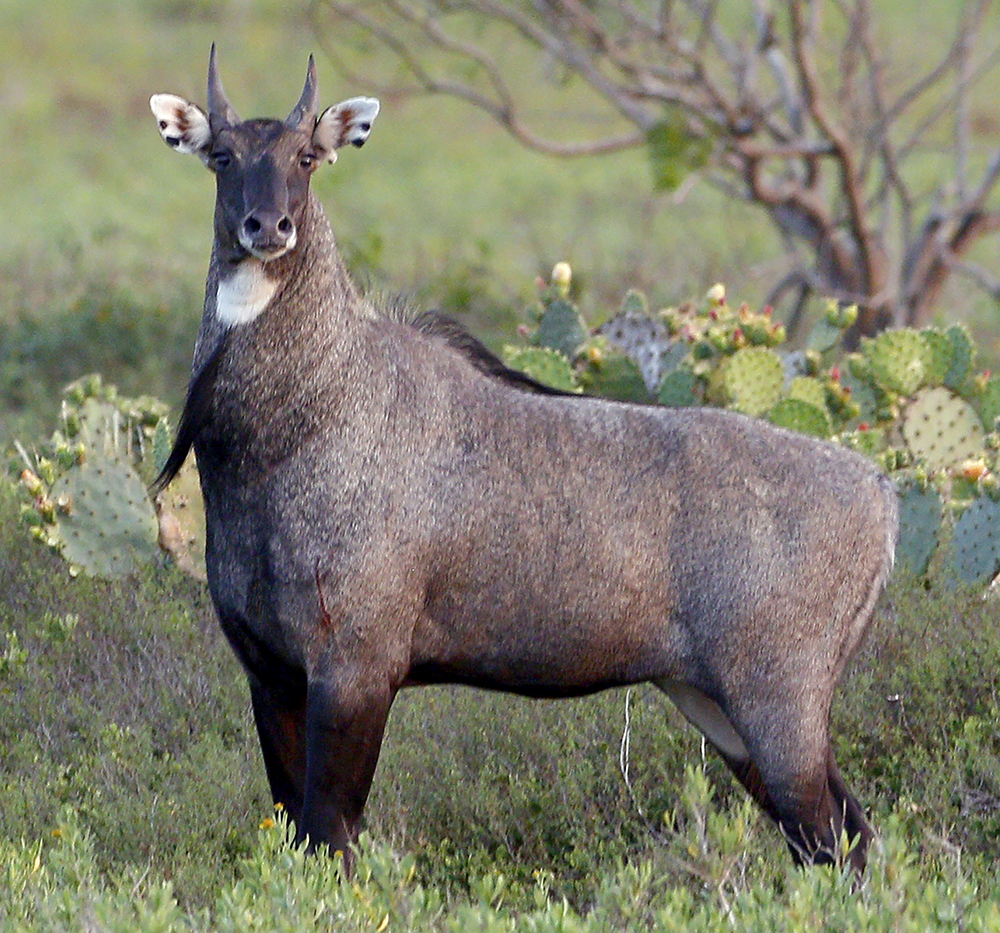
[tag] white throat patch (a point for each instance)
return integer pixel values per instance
(245, 294)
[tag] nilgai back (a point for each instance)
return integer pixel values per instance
(388, 505)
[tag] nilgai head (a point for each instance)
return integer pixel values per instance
(262, 166)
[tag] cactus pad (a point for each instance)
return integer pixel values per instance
(869, 442)
(180, 512)
(752, 380)
(678, 389)
(900, 360)
(824, 336)
(804, 417)
(989, 403)
(963, 354)
(808, 389)
(942, 429)
(941, 353)
(618, 377)
(975, 546)
(645, 340)
(635, 303)
(920, 513)
(544, 364)
(561, 328)
(107, 526)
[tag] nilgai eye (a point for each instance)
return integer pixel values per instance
(221, 159)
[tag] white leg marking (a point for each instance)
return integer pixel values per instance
(245, 294)
(704, 713)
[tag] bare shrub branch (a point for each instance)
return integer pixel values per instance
(794, 106)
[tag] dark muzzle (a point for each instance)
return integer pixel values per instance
(267, 234)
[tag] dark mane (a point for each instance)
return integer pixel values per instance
(435, 324)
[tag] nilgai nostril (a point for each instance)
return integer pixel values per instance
(389, 505)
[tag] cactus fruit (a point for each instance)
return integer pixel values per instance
(561, 328)
(548, 366)
(106, 524)
(899, 359)
(941, 428)
(975, 545)
(798, 415)
(920, 513)
(752, 380)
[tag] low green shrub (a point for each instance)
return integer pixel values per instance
(123, 701)
(57, 884)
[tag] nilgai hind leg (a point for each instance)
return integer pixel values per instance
(784, 760)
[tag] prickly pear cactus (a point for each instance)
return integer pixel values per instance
(940, 356)
(808, 389)
(828, 332)
(798, 415)
(180, 511)
(989, 403)
(678, 389)
(752, 380)
(899, 359)
(543, 364)
(975, 545)
(644, 339)
(106, 524)
(616, 376)
(88, 483)
(561, 328)
(963, 354)
(920, 519)
(941, 428)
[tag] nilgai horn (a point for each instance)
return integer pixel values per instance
(389, 506)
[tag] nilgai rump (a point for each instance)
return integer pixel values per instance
(388, 505)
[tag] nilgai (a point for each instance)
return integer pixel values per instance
(388, 505)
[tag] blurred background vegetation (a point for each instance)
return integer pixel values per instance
(103, 264)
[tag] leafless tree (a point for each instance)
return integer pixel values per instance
(873, 181)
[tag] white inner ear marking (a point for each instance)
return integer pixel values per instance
(182, 125)
(349, 122)
(702, 711)
(243, 296)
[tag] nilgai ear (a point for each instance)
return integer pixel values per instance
(182, 125)
(348, 122)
